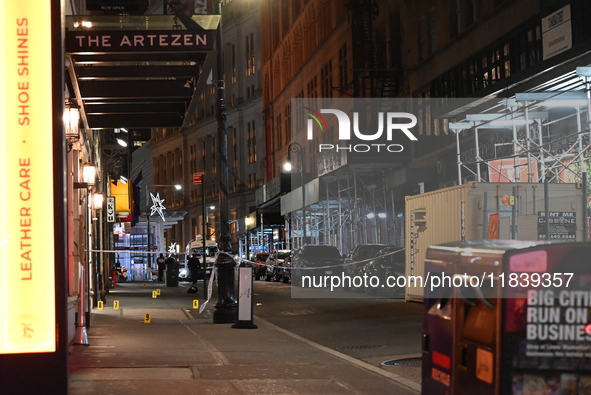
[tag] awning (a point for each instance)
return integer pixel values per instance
(138, 71)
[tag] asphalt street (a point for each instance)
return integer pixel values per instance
(371, 329)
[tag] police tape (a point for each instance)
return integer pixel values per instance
(137, 252)
(322, 267)
(263, 264)
(209, 288)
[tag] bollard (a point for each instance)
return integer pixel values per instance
(114, 277)
(245, 300)
(81, 336)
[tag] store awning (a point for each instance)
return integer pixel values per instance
(138, 71)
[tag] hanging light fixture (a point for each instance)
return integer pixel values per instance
(71, 125)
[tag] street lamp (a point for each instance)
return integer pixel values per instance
(226, 306)
(293, 148)
(178, 187)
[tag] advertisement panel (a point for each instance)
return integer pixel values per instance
(27, 286)
(547, 327)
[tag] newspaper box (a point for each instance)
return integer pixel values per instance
(507, 317)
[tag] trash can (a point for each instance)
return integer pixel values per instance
(515, 321)
(172, 272)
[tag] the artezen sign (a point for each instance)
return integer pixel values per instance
(110, 209)
(27, 272)
(138, 41)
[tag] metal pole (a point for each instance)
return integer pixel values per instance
(204, 223)
(585, 208)
(459, 157)
(485, 217)
(514, 215)
(226, 306)
(528, 146)
(81, 337)
(546, 210)
(340, 217)
(479, 179)
(303, 195)
(149, 257)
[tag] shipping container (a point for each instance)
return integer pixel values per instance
(477, 211)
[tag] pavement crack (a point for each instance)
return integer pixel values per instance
(217, 354)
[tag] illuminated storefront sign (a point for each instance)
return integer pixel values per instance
(129, 41)
(27, 286)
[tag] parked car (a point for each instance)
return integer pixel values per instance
(287, 269)
(259, 268)
(275, 264)
(184, 272)
(359, 257)
(314, 260)
(389, 262)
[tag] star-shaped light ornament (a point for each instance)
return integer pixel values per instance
(172, 248)
(157, 206)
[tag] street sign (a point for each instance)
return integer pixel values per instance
(110, 209)
(197, 178)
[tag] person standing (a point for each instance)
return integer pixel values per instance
(161, 265)
(193, 264)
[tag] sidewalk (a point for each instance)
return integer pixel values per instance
(183, 352)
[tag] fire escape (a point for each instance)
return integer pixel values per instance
(374, 71)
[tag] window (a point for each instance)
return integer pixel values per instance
(235, 147)
(287, 123)
(343, 67)
(423, 39)
(277, 133)
(427, 34)
(516, 53)
(251, 142)
(249, 51)
(312, 86)
(326, 80)
(432, 31)
(233, 63)
(214, 163)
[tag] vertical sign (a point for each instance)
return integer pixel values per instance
(27, 272)
(110, 209)
(557, 33)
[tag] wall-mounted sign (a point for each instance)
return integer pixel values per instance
(136, 41)
(557, 32)
(110, 209)
(197, 178)
(563, 226)
(113, 5)
(509, 170)
(27, 249)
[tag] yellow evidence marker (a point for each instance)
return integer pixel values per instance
(158, 291)
(144, 285)
(115, 305)
(147, 318)
(100, 305)
(195, 304)
(154, 294)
